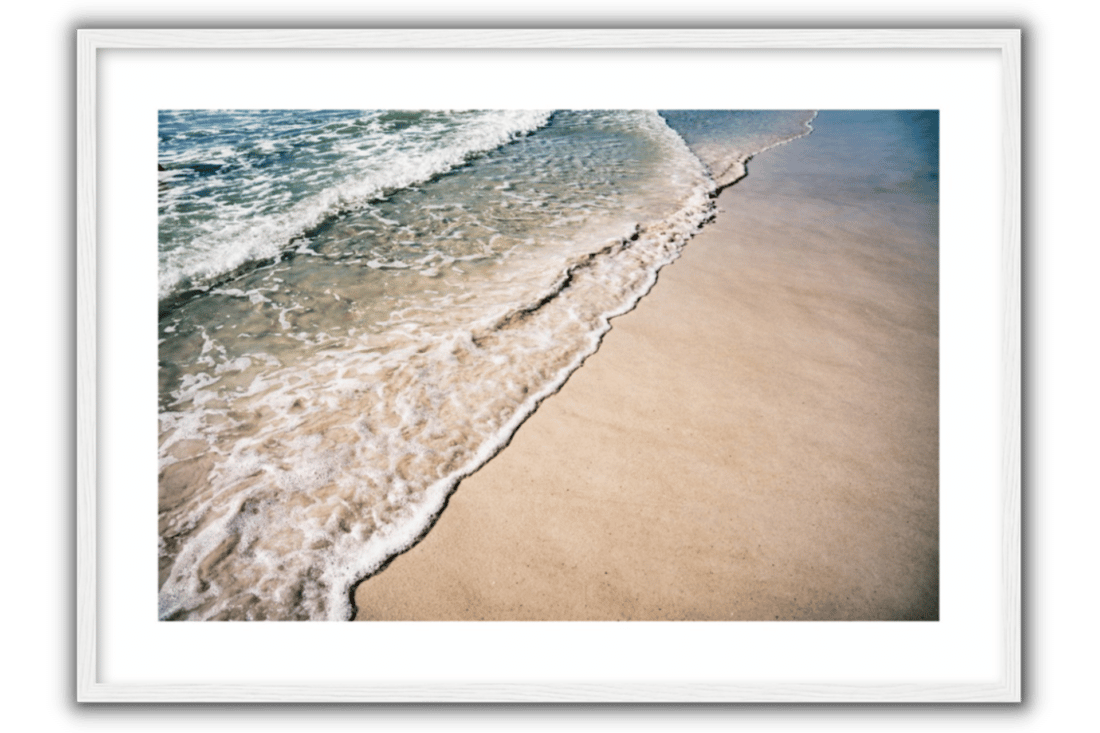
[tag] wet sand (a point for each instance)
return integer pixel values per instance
(757, 440)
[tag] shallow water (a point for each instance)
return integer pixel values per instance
(358, 309)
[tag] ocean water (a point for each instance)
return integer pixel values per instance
(359, 308)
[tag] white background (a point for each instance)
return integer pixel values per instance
(963, 647)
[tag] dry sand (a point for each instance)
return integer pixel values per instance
(757, 440)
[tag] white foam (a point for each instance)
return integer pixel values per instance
(235, 233)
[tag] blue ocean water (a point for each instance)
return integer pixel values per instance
(359, 308)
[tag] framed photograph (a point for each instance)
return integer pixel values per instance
(548, 365)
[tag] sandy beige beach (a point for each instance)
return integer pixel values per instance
(757, 440)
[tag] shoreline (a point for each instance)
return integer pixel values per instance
(756, 440)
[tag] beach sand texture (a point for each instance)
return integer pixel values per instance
(757, 440)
